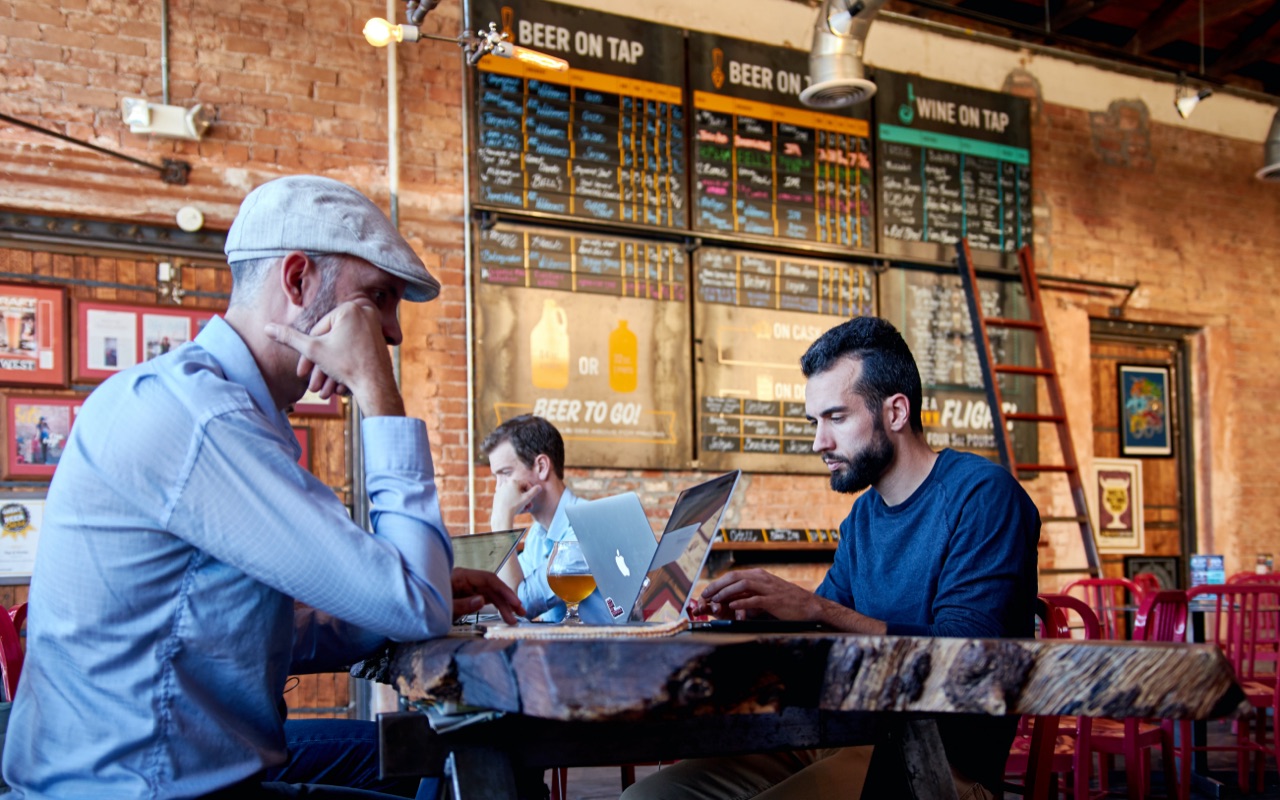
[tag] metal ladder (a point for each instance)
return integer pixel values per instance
(1047, 371)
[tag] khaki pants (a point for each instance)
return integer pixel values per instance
(795, 775)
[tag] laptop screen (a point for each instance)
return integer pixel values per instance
(695, 520)
(485, 551)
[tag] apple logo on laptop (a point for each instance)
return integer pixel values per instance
(622, 564)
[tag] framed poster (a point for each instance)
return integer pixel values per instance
(111, 337)
(21, 519)
(1167, 569)
(36, 429)
(1144, 411)
(33, 337)
(304, 438)
(312, 406)
(1117, 505)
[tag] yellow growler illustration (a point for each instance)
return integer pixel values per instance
(549, 346)
(623, 363)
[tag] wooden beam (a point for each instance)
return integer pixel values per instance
(1161, 29)
(1073, 10)
(1255, 43)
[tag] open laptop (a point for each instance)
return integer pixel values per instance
(640, 579)
(487, 551)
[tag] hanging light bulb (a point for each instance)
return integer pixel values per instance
(380, 33)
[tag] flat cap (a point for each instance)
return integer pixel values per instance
(318, 216)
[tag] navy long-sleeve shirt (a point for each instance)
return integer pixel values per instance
(956, 558)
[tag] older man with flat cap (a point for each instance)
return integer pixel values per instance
(188, 565)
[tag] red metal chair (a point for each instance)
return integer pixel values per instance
(11, 648)
(1147, 582)
(1162, 617)
(1267, 578)
(1110, 599)
(1049, 746)
(1245, 624)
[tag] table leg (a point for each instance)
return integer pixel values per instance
(476, 773)
(909, 762)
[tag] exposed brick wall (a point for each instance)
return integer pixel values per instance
(1119, 199)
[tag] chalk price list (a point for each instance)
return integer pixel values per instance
(762, 176)
(735, 425)
(753, 280)
(583, 150)
(542, 259)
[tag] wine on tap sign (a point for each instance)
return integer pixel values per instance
(953, 162)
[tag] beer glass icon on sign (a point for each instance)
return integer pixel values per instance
(569, 577)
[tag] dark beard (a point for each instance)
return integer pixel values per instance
(867, 466)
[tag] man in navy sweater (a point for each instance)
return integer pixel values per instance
(940, 544)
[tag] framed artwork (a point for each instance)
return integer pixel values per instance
(111, 337)
(36, 430)
(21, 519)
(33, 347)
(1117, 505)
(1167, 569)
(312, 406)
(304, 438)
(1144, 411)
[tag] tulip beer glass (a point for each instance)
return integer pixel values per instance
(569, 577)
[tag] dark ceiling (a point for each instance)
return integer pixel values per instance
(1241, 37)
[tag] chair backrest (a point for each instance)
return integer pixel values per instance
(1255, 577)
(11, 648)
(1245, 621)
(1051, 622)
(1147, 582)
(1162, 617)
(1110, 599)
(1065, 604)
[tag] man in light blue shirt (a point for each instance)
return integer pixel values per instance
(526, 455)
(180, 530)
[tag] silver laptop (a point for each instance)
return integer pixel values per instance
(642, 580)
(486, 551)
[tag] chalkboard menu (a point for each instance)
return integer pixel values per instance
(764, 165)
(604, 141)
(590, 331)
(755, 315)
(931, 312)
(953, 162)
(781, 535)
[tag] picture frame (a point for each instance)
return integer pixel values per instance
(33, 348)
(21, 521)
(1116, 506)
(36, 428)
(303, 433)
(1168, 569)
(1145, 409)
(111, 337)
(312, 406)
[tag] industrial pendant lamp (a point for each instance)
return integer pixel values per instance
(836, 75)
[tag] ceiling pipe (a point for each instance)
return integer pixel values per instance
(1270, 171)
(837, 78)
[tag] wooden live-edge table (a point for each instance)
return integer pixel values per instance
(596, 701)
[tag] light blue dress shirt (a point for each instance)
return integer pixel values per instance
(179, 531)
(534, 591)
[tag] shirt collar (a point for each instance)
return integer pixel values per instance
(560, 522)
(222, 342)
